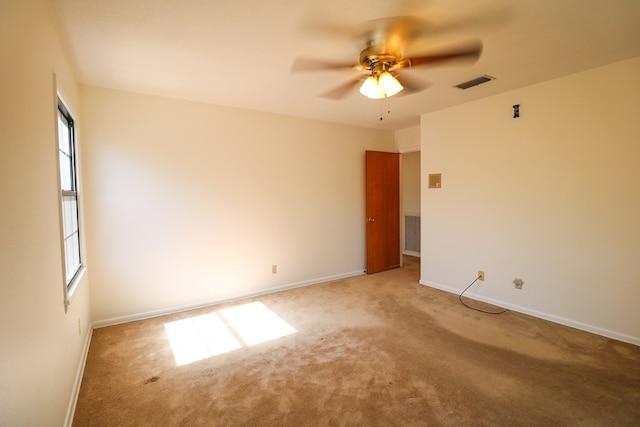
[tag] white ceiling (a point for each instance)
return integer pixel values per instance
(239, 52)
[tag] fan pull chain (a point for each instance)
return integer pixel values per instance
(388, 106)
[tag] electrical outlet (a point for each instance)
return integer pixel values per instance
(274, 269)
(481, 275)
(518, 283)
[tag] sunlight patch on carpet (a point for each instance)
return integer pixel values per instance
(256, 324)
(200, 337)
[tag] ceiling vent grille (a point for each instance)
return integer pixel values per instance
(475, 82)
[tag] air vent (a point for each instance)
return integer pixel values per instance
(475, 82)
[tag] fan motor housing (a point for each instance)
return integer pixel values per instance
(373, 56)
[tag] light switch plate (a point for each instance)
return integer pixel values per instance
(435, 180)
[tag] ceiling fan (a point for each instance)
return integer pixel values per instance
(385, 41)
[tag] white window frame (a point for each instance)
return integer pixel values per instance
(69, 202)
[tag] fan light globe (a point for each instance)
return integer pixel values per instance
(370, 88)
(378, 87)
(388, 85)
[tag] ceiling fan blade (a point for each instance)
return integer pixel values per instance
(309, 64)
(342, 90)
(467, 53)
(411, 84)
(482, 19)
(328, 28)
(378, 30)
(393, 32)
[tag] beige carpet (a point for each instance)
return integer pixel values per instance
(376, 350)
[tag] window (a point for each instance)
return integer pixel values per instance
(71, 252)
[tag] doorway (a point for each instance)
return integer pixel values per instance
(392, 209)
(411, 203)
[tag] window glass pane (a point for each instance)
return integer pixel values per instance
(74, 213)
(66, 217)
(72, 255)
(69, 215)
(67, 257)
(65, 172)
(75, 252)
(63, 135)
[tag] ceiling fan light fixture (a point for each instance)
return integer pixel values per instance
(380, 86)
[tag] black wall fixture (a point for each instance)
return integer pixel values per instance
(516, 111)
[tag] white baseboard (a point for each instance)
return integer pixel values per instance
(71, 409)
(411, 253)
(176, 309)
(541, 315)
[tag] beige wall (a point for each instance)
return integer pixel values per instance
(190, 203)
(40, 349)
(408, 139)
(552, 197)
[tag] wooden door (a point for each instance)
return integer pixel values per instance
(383, 211)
